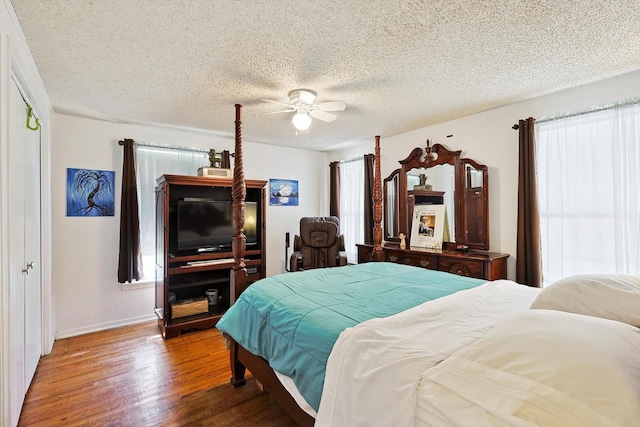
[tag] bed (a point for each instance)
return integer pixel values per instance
(482, 353)
(293, 320)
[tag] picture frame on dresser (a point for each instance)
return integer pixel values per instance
(427, 229)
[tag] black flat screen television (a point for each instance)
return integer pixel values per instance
(206, 225)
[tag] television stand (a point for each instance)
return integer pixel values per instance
(183, 275)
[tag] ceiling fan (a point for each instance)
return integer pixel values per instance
(301, 102)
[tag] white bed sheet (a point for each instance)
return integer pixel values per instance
(540, 367)
(290, 386)
(374, 368)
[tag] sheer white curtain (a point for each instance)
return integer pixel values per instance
(589, 185)
(352, 206)
(151, 163)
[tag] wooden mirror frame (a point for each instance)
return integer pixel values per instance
(391, 180)
(475, 205)
(427, 158)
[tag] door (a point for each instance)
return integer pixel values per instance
(25, 291)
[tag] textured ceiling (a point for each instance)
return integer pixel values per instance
(398, 65)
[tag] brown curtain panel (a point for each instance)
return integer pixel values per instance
(334, 189)
(528, 257)
(369, 162)
(130, 257)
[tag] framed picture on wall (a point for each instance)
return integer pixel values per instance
(427, 226)
(283, 192)
(90, 192)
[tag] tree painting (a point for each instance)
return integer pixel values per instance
(90, 192)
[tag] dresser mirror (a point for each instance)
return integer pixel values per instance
(476, 191)
(436, 175)
(391, 207)
(434, 185)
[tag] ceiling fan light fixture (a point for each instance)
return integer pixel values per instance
(302, 104)
(301, 120)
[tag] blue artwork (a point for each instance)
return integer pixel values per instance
(90, 192)
(283, 192)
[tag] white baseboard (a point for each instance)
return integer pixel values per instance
(104, 326)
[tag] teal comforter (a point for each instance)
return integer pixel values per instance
(293, 319)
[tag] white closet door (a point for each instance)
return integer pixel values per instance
(25, 290)
(32, 251)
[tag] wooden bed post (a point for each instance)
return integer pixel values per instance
(377, 254)
(238, 281)
(238, 370)
(239, 192)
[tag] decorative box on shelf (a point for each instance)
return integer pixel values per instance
(215, 172)
(189, 307)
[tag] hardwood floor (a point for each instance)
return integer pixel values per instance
(130, 376)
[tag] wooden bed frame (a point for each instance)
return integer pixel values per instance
(240, 358)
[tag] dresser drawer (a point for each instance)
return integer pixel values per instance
(462, 267)
(481, 265)
(415, 259)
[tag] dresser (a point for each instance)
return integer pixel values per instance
(482, 265)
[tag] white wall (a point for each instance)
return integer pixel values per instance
(488, 138)
(87, 296)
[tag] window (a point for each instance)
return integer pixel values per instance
(151, 163)
(352, 206)
(588, 189)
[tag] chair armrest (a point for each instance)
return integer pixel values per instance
(297, 243)
(295, 262)
(342, 258)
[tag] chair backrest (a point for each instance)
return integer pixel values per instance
(319, 242)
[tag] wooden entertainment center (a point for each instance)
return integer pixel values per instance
(184, 275)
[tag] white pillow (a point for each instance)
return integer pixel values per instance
(610, 296)
(543, 367)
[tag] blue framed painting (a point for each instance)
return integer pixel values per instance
(283, 192)
(90, 192)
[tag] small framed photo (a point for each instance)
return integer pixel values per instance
(427, 226)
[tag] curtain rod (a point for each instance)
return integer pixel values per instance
(626, 103)
(353, 159)
(173, 147)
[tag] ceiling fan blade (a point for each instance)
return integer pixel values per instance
(281, 111)
(321, 115)
(286, 104)
(332, 106)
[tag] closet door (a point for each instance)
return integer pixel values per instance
(25, 291)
